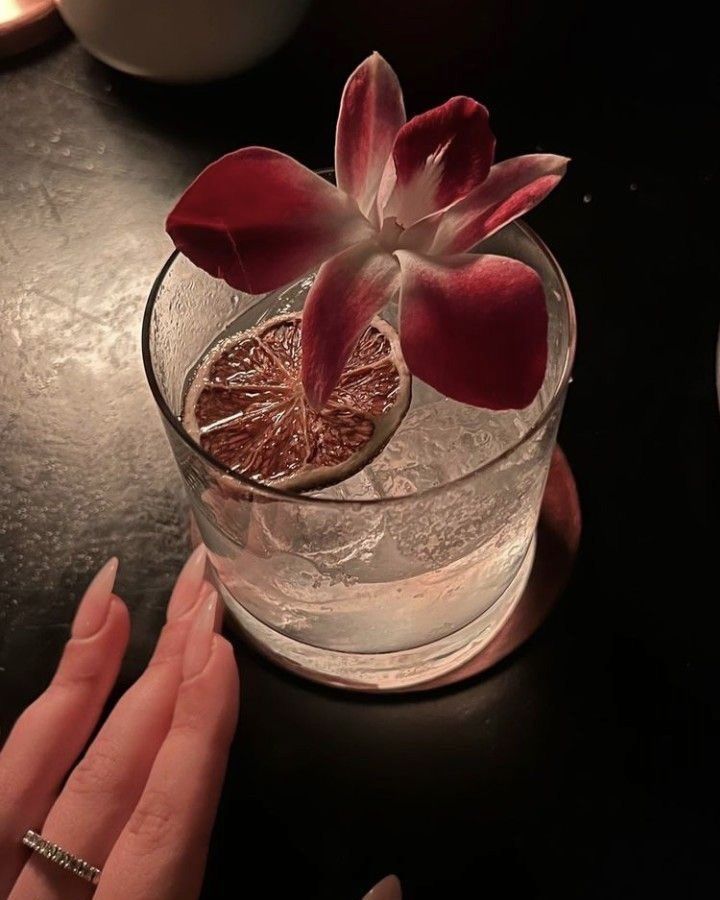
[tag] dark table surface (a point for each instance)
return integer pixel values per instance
(587, 764)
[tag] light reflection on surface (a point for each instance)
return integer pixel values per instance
(10, 10)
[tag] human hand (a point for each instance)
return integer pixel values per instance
(387, 889)
(141, 802)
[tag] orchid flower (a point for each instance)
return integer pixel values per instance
(412, 198)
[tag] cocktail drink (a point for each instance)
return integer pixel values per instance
(377, 533)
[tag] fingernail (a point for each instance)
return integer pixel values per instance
(93, 609)
(205, 590)
(185, 592)
(202, 595)
(200, 637)
(387, 889)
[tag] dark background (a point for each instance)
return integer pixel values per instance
(586, 765)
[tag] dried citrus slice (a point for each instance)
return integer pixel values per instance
(246, 406)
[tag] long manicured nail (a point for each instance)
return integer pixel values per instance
(202, 595)
(185, 592)
(200, 637)
(94, 606)
(387, 889)
(205, 590)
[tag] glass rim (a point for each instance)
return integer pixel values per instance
(274, 493)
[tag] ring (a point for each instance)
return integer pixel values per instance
(61, 857)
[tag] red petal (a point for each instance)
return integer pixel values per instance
(439, 157)
(371, 113)
(511, 189)
(258, 219)
(474, 327)
(349, 289)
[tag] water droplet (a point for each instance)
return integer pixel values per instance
(89, 166)
(633, 186)
(587, 198)
(54, 138)
(31, 144)
(100, 148)
(65, 151)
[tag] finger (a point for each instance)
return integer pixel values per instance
(187, 586)
(103, 789)
(162, 850)
(49, 736)
(387, 889)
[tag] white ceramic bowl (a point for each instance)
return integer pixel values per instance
(181, 41)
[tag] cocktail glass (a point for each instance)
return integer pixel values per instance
(409, 568)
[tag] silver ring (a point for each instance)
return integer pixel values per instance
(61, 857)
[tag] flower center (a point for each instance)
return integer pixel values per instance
(390, 232)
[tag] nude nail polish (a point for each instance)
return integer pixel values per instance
(205, 590)
(202, 595)
(387, 889)
(94, 606)
(185, 593)
(200, 637)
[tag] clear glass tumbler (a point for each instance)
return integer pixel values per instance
(407, 570)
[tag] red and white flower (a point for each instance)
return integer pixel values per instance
(412, 198)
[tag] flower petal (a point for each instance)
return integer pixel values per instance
(258, 219)
(371, 114)
(439, 157)
(474, 327)
(512, 188)
(349, 289)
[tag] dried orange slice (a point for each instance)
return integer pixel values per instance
(246, 406)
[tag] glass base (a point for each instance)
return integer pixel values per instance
(384, 671)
